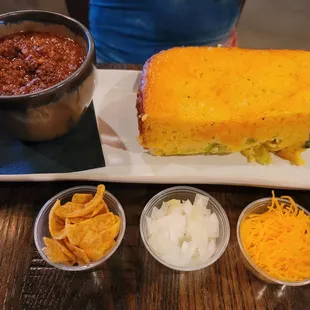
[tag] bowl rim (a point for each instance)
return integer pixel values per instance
(248, 259)
(73, 75)
(195, 190)
(92, 265)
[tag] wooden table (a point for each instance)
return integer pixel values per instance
(131, 279)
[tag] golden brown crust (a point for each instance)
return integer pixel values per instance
(140, 109)
(140, 103)
(140, 96)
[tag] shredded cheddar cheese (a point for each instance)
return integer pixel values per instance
(278, 241)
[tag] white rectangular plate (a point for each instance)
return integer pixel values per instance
(126, 161)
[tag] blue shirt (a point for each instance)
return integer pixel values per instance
(130, 31)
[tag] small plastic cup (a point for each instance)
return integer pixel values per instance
(257, 207)
(184, 193)
(41, 224)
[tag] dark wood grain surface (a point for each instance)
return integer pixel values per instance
(131, 279)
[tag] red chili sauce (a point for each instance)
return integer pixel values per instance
(33, 61)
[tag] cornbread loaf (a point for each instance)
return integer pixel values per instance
(203, 100)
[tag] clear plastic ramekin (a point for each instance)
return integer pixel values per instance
(184, 193)
(257, 207)
(41, 224)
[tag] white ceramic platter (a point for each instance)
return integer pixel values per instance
(126, 161)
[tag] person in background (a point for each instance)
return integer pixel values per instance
(131, 31)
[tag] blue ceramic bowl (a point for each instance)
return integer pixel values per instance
(53, 112)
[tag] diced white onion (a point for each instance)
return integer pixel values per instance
(182, 233)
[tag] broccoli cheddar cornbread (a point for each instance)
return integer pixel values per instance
(202, 100)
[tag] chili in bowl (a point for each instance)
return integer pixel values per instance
(47, 74)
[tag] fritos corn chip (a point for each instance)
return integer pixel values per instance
(80, 254)
(71, 209)
(83, 229)
(82, 198)
(97, 224)
(75, 220)
(61, 244)
(112, 231)
(54, 252)
(56, 224)
(94, 246)
(101, 209)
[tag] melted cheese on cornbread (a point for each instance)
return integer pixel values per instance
(218, 100)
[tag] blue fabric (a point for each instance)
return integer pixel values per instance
(130, 31)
